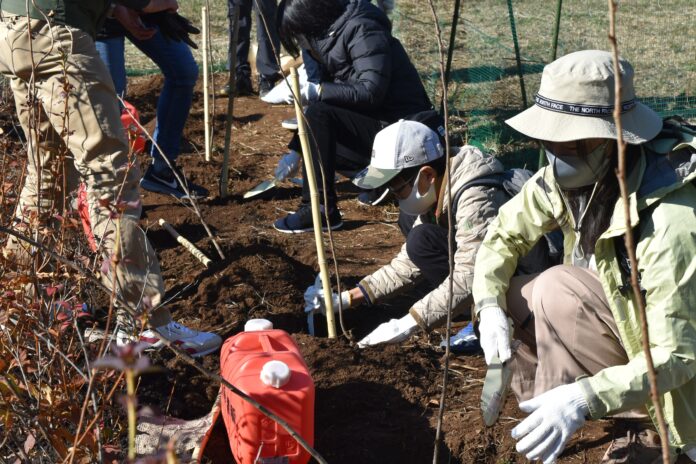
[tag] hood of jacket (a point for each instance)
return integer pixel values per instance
(654, 176)
(470, 163)
(355, 10)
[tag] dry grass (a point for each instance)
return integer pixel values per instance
(654, 35)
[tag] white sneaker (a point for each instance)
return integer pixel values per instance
(192, 341)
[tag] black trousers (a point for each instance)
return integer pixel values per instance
(341, 140)
(426, 245)
(266, 62)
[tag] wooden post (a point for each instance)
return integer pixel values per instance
(225, 169)
(450, 49)
(314, 197)
(206, 109)
(518, 56)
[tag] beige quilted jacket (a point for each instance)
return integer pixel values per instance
(476, 208)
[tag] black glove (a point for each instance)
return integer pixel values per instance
(173, 26)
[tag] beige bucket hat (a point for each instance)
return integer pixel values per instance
(576, 101)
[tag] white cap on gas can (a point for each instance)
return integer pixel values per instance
(257, 325)
(275, 374)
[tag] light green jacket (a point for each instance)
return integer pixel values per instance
(666, 251)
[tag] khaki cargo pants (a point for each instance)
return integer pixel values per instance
(64, 95)
(566, 327)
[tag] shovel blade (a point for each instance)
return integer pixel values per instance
(259, 189)
(495, 389)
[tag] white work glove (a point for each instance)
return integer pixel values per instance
(288, 165)
(555, 416)
(309, 92)
(495, 334)
(394, 331)
(314, 299)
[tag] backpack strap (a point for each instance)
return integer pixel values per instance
(676, 134)
(489, 180)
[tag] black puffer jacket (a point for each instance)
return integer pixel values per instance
(366, 69)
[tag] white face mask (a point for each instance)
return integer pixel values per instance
(416, 204)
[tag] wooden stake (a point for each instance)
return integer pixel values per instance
(225, 169)
(206, 109)
(200, 256)
(314, 197)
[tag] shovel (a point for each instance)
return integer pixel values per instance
(495, 389)
(264, 186)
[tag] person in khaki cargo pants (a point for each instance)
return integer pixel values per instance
(58, 74)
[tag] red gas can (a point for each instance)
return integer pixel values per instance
(267, 365)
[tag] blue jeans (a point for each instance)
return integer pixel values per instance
(312, 67)
(180, 71)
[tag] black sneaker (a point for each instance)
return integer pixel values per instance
(166, 182)
(266, 84)
(373, 197)
(301, 221)
(242, 85)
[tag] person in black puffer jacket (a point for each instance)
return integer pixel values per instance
(367, 83)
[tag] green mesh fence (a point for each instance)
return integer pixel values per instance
(656, 37)
(653, 36)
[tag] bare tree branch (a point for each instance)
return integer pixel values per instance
(629, 239)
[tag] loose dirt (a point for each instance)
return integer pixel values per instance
(377, 405)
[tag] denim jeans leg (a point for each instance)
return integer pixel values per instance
(312, 67)
(112, 53)
(180, 71)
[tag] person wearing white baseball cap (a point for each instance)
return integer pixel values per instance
(581, 356)
(409, 159)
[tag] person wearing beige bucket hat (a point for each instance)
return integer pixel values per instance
(580, 355)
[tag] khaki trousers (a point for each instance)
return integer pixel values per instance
(567, 330)
(64, 95)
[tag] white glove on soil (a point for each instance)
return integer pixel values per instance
(394, 331)
(314, 299)
(287, 166)
(555, 416)
(495, 334)
(281, 93)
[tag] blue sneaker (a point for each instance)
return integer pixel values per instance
(464, 342)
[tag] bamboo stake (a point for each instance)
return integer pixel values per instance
(206, 109)
(225, 169)
(211, 65)
(629, 240)
(314, 197)
(183, 241)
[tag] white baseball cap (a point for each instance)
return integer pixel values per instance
(402, 145)
(576, 101)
